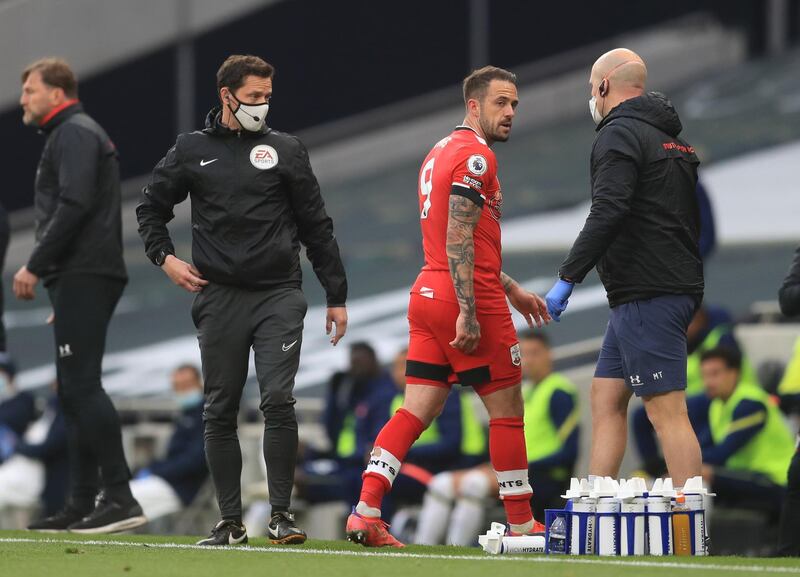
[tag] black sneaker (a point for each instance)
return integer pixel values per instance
(110, 517)
(226, 532)
(59, 522)
(282, 531)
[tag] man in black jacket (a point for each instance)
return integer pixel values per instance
(78, 255)
(254, 201)
(642, 234)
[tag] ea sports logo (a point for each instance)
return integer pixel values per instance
(263, 157)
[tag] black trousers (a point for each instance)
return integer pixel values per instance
(789, 536)
(83, 305)
(230, 321)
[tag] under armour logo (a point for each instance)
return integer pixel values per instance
(635, 380)
(64, 351)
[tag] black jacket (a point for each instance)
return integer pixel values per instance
(77, 201)
(789, 295)
(247, 222)
(644, 225)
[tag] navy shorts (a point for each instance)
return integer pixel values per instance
(645, 344)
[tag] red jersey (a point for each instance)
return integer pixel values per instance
(461, 161)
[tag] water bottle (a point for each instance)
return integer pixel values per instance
(558, 536)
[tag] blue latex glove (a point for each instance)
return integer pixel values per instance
(558, 298)
(143, 474)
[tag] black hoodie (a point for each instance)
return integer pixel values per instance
(254, 200)
(643, 227)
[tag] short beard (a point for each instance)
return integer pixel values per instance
(501, 138)
(491, 134)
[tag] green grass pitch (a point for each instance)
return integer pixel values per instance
(25, 554)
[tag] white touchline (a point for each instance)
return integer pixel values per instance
(526, 559)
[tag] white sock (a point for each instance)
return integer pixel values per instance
(435, 512)
(467, 518)
(466, 522)
(365, 510)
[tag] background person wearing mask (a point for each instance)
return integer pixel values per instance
(167, 485)
(642, 234)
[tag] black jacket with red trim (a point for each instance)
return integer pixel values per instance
(77, 200)
(643, 228)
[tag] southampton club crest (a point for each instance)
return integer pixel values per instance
(477, 164)
(516, 355)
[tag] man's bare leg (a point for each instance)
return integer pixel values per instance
(669, 416)
(609, 400)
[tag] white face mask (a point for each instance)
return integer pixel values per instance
(189, 399)
(593, 110)
(251, 116)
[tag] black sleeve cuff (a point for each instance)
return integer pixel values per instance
(467, 192)
(158, 257)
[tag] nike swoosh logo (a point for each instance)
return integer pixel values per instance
(236, 540)
(206, 162)
(286, 347)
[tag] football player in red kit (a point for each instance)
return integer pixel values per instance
(460, 324)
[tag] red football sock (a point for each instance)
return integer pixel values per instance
(391, 447)
(510, 462)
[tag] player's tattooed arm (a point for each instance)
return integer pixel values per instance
(461, 222)
(508, 282)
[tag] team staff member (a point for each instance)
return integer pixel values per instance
(78, 255)
(789, 539)
(459, 320)
(254, 201)
(642, 234)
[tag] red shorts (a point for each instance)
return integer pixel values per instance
(494, 365)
